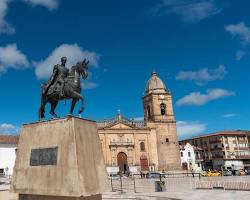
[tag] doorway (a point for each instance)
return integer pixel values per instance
(122, 162)
(184, 166)
(144, 163)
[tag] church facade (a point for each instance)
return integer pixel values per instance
(145, 145)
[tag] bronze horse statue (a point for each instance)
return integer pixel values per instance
(71, 90)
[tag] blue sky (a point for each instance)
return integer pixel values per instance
(199, 48)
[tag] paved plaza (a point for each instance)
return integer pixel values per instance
(176, 188)
(191, 195)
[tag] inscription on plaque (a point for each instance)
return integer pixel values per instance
(43, 156)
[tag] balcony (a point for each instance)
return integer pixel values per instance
(243, 148)
(121, 144)
(242, 156)
(217, 156)
(215, 141)
(216, 148)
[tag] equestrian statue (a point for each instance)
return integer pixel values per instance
(64, 84)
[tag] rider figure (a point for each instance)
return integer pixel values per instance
(57, 80)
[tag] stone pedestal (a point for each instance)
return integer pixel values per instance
(59, 159)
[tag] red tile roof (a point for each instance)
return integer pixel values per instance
(9, 139)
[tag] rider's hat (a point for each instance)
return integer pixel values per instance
(64, 58)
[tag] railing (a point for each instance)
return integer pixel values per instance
(217, 156)
(216, 141)
(216, 148)
(121, 143)
(243, 148)
(146, 183)
(243, 156)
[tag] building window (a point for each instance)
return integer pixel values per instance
(142, 146)
(181, 154)
(163, 109)
(167, 140)
(189, 154)
(198, 164)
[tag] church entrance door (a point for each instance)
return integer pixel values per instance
(122, 162)
(144, 164)
(184, 166)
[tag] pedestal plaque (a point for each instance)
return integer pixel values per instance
(43, 156)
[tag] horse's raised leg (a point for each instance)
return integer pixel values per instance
(79, 96)
(73, 103)
(53, 104)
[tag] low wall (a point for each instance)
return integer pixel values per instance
(226, 185)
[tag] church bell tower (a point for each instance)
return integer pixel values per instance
(158, 115)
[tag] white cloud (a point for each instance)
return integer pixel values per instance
(190, 11)
(239, 30)
(203, 75)
(198, 99)
(5, 27)
(138, 118)
(188, 129)
(50, 4)
(8, 129)
(229, 115)
(12, 57)
(73, 52)
(240, 54)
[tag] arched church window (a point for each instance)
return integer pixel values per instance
(142, 146)
(163, 109)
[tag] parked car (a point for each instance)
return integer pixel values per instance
(247, 172)
(114, 176)
(236, 172)
(213, 173)
(242, 173)
(227, 172)
(203, 173)
(154, 175)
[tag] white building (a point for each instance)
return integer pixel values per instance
(8, 146)
(191, 158)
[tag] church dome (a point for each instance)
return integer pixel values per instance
(155, 85)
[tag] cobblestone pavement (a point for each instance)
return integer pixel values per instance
(191, 195)
(176, 189)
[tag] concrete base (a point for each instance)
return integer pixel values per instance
(42, 197)
(61, 159)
